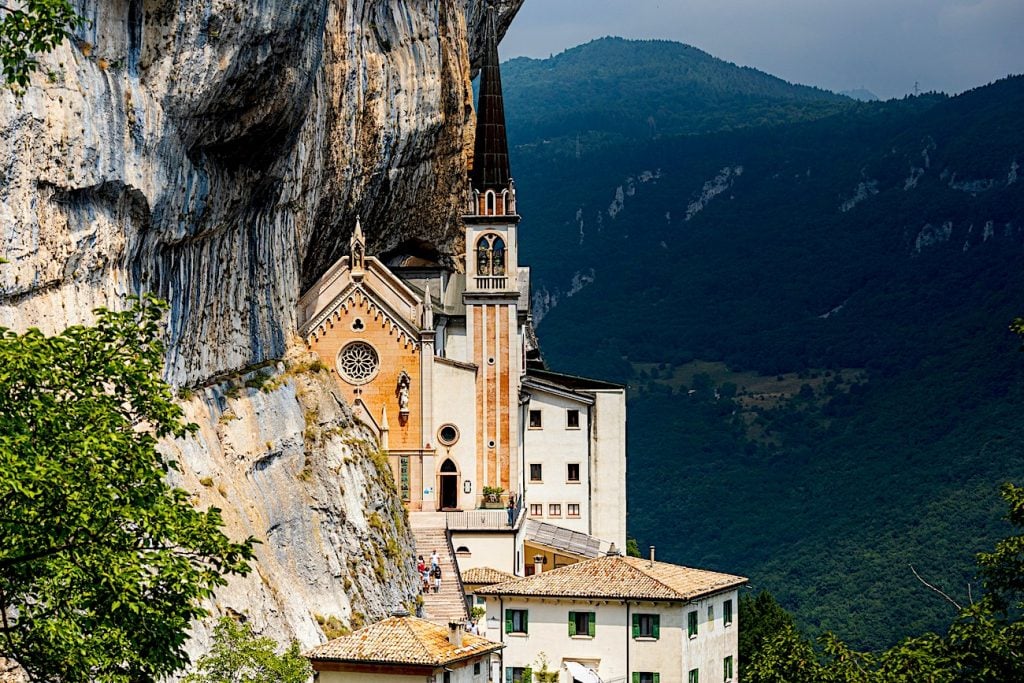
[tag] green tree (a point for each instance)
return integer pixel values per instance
(102, 563)
(29, 28)
(238, 656)
(762, 617)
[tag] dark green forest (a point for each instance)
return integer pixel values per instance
(809, 298)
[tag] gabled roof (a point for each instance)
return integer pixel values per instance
(485, 576)
(617, 577)
(573, 382)
(401, 640)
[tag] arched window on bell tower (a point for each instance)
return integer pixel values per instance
(490, 256)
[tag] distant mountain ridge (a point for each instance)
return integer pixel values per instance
(811, 314)
(642, 89)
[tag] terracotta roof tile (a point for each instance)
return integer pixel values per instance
(485, 576)
(402, 640)
(619, 577)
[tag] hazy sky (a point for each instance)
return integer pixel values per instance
(882, 45)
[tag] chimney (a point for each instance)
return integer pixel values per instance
(613, 550)
(455, 629)
(652, 557)
(538, 564)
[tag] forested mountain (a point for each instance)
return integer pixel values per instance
(811, 313)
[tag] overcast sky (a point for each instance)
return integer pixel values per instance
(882, 45)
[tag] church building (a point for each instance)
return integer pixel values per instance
(443, 367)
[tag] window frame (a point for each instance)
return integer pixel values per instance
(727, 613)
(693, 676)
(646, 677)
(536, 413)
(554, 510)
(654, 623)
(512, 616)
(727, 669)
(692, 628)
(536, 509)
(539, 479)
(588, 618)
(569, 413)
(569, 513)
(568, 473)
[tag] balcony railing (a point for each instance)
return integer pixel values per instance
(470, 520)
(492, 282)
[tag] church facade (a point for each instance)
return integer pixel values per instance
(442, 366)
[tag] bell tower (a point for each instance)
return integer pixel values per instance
(492, 283)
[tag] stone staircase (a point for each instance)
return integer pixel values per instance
(430, 534)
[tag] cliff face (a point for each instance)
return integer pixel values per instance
(218, 152)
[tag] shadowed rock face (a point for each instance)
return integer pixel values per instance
(218, 152)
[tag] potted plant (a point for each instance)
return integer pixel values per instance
(492, 496)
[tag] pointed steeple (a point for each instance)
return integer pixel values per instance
(490, 152)
(428, 310)
(357, 248)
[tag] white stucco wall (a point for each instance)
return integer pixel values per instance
(672, 655)
(486, 549)
(460, 673)
(454, 402)
(555, 446)
(608, 471)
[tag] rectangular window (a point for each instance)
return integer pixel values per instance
(536, 509)
(693, 676)
(555, 510)
(572, 510)
(517, 621)
(646, 626)
(727, 668)
(727, 612)
(536, 472)
(518, 674)
(404, 476)
(535, 422)
(582, 623)
(711, 617)
(646, 677)
(476, 668)
(572, 419)
(572, 472)
(691, 624)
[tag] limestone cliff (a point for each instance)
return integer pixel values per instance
(217, 153)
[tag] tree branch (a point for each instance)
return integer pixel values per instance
(948, 599)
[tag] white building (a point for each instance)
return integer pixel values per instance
(404, 648)
(618, 618)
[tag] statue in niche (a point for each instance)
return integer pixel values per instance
(404, 382)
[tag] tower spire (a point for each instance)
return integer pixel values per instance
(490, 150)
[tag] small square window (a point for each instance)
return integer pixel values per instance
(536, 472)
(572, 510)
(646, 677)
(555, 510)
(572, 419)
(572, 472)
(535, 420)
(536, 509)
(582, 623)
(646, 626)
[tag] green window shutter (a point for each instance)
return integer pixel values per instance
(572, 623)
(508, 626)
(657, 677)
(526, 621)
(508, 674)
(592, 624)
(636, 677)
(656, 627)
(636, 625)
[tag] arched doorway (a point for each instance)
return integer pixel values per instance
(449, 485)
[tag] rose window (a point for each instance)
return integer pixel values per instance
(358, 363)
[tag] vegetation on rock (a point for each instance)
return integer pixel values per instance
(103, 563)
(238, 656)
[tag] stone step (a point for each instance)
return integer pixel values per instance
(449, 603)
